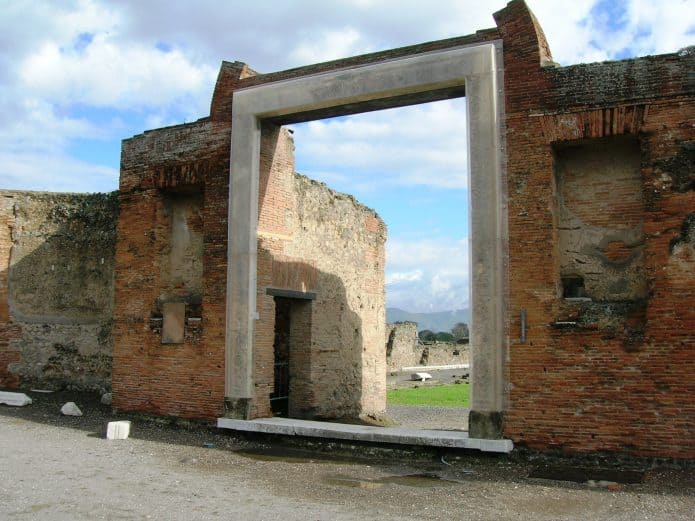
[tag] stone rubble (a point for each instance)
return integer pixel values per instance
(70, 409)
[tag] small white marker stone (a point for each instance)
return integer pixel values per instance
(119, 430)
(15, 399)
(421, 376)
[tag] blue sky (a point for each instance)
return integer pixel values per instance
(78, 76)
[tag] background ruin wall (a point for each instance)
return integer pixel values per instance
(56, 289)
(404, 349)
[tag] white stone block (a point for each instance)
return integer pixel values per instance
(118, 430)
(14, 399)
(421, 376)
(71, 409)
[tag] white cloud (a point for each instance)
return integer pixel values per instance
(329, 45)
(107, 74)
(427, 275)
(407, 276)
(418, 145)
(643, 27)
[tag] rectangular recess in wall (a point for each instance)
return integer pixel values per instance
(600, 212)
(173, 327)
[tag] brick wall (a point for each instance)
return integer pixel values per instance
(172, 249)
(56, 289)
(620, 378)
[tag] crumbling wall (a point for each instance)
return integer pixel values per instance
(313, 240)
(403, 349)
(444, 353)
(169, 319)
(171, 271)
(57, 255)
(402, 346)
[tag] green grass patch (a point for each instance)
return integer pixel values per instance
(452, 395)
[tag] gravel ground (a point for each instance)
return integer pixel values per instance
(54, 467)
(428, 417)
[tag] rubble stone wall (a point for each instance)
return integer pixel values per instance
(403, 349)
(56, 289)
(314, 240)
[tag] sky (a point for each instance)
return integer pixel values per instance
(77, 77)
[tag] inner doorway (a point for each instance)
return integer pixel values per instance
(279, 399)
(292, 395)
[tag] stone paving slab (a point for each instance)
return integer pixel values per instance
(344, 431)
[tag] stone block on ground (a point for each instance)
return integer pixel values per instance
(118, 430)
(71, 409)
(421, 376)
(14, 399)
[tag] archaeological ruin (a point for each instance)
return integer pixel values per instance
(217, 282)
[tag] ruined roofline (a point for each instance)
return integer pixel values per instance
(204, 119)
(683, 53)
(339, 195)
(8, 192)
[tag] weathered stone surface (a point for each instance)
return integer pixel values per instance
(403, 349)
(71, 409)
(106, 398)
(421, 376)
(174, 322)
(56, 295)
(14, 399)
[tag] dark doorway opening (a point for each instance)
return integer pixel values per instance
(279, 399)
(292, 395)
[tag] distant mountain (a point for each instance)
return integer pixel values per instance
(437, 321)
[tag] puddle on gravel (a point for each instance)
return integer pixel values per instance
(585, 474)
(422, 480)
(289, 455)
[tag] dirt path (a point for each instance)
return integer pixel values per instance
(54, 467)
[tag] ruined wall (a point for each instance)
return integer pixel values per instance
(313, 240)
(171, 272)
(171, 264)
(403, 349)
(444, 353)
(600, 185)
(169, 319)
(402, 346)
(56, 289)
(613, 373)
